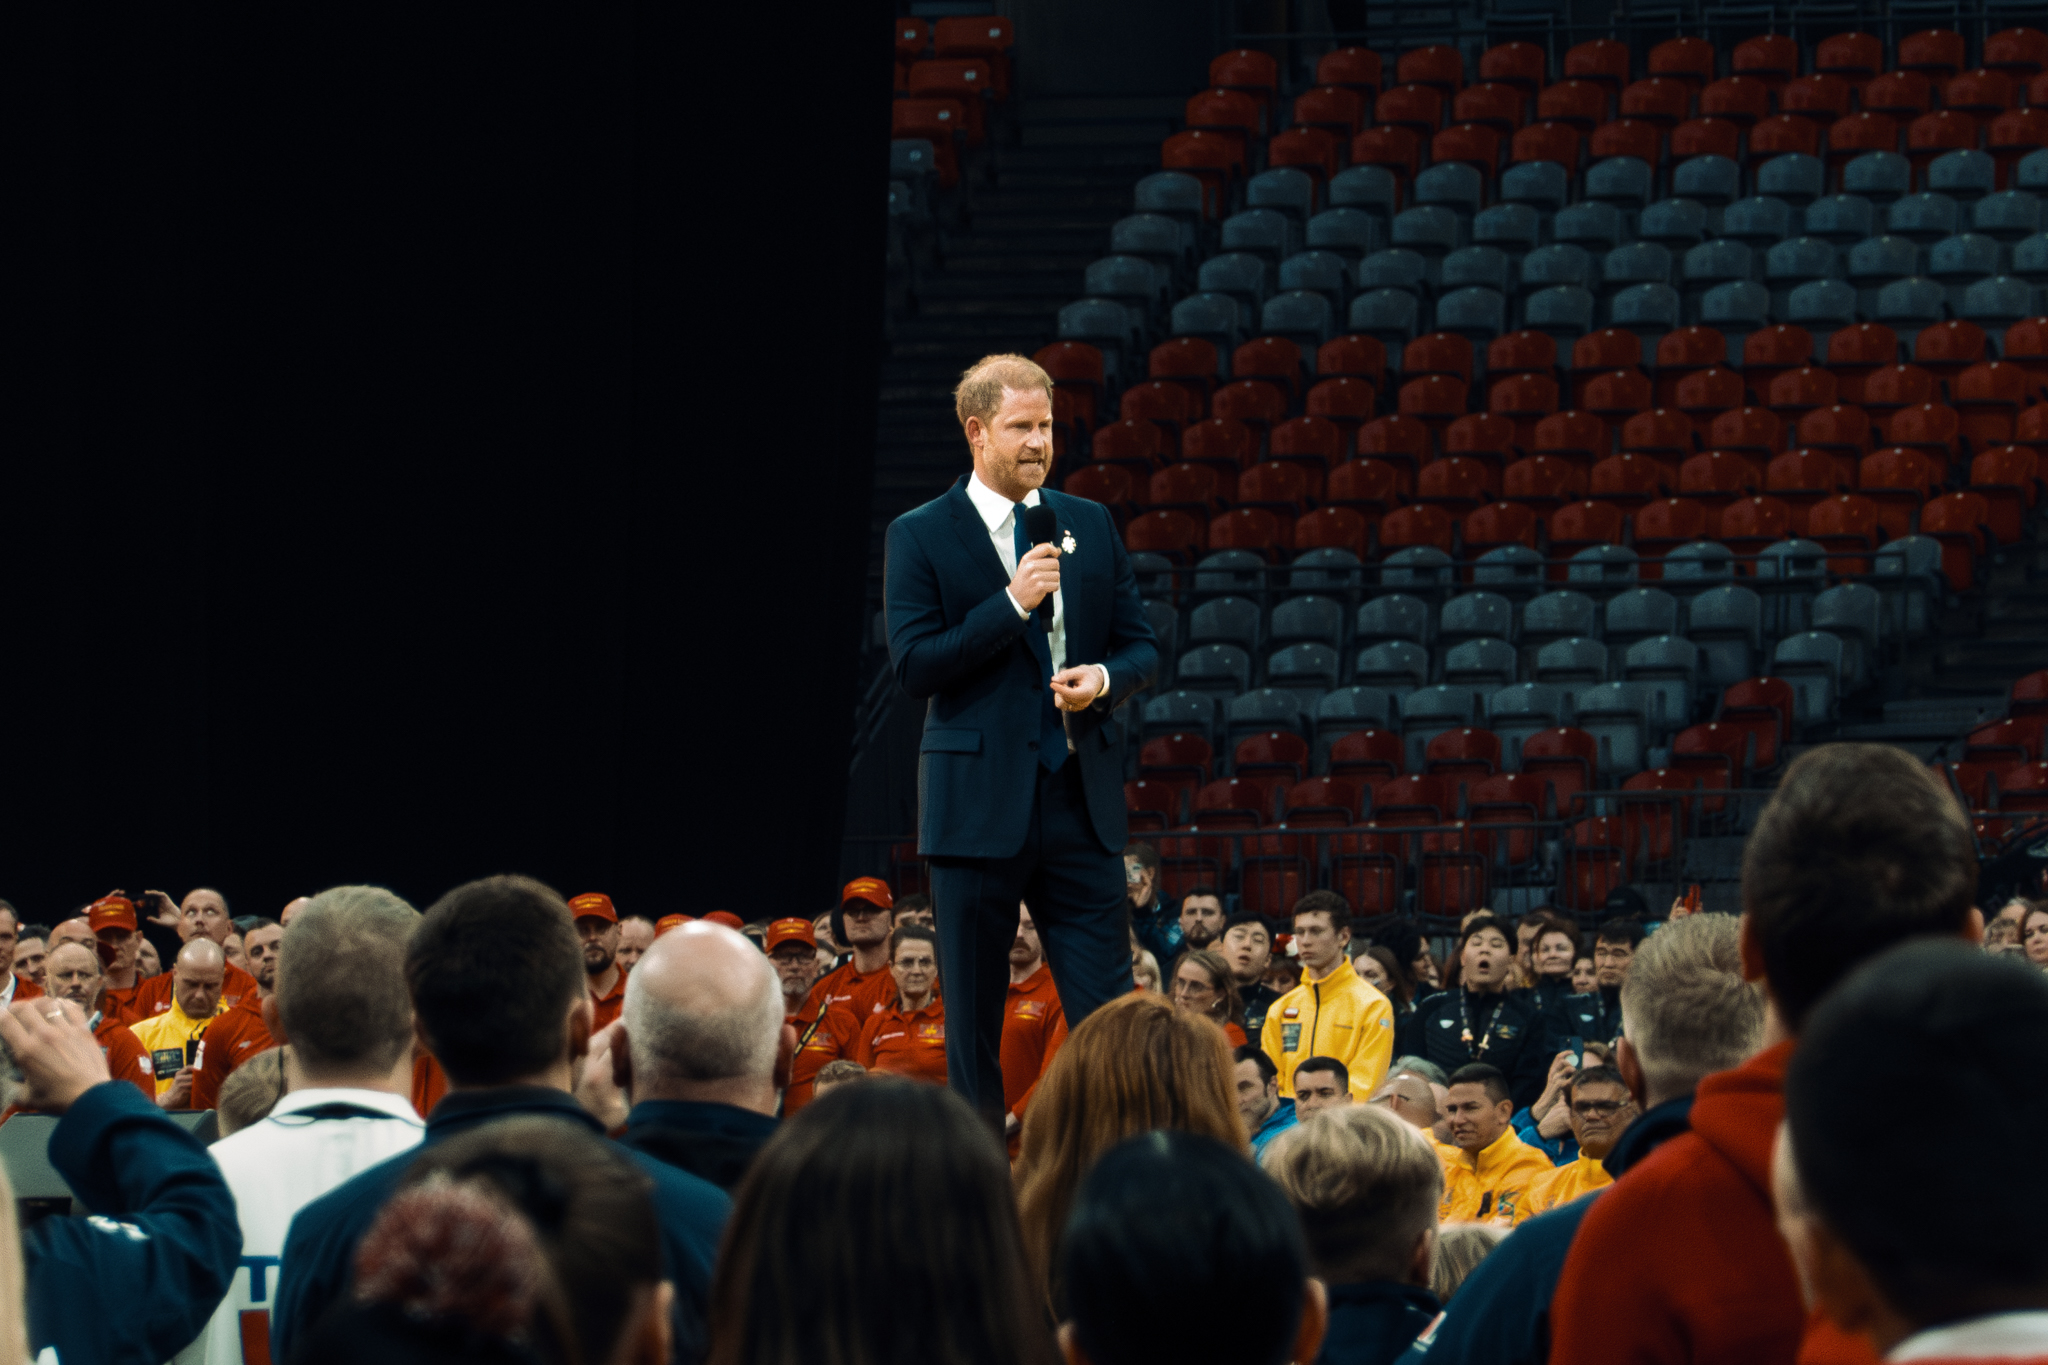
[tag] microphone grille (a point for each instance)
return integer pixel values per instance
(1041, 524)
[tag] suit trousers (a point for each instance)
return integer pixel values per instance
(1075, 890)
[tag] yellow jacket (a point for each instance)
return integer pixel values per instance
(1341, 1016)
(1491, 1188)
(166, 1036)
(1561, 1185)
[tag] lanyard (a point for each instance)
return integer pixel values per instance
(1485, 1034)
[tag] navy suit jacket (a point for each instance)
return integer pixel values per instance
(955, 638)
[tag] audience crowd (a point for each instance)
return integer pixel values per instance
(518, 1127)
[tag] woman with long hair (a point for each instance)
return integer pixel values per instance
(2034, 936)
(1551, 955)
(1134, 1065)
(1202, 985)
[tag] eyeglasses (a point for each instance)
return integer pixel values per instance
(1183, 987)
(1598, 1109)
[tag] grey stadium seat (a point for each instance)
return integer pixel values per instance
(1795, 177)
(1841, 219)
(1483, 663)
(1392, 616)
(1675, 223)
(1226, 621)
(1181, 712)
(1320, 272)
(1670, 666)
(1812, 663)
(1618, 717)
(1287, 189)
(1399, 666)
(1318, 620)
(1473, 615)
(1224, 669)
(1880, 177)
(1727, 623)
(1351, 233)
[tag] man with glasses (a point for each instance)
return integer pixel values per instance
(1600, 1109)
(839, 1005)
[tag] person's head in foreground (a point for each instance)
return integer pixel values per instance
(525, 1240)
(877, 1226)
(1930, 1253)
(1460, 1247)
(1321, 1083)
(1689, 1011)
(1179, 1249)
(1133, 1065)
(1366, 1186)
(839, 1072)
(1860, 848)
(1478, 1107)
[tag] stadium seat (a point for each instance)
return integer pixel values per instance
(1812, 663)
(1567, 758)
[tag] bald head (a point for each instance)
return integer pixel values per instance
(72, 972)
(703, 1005)
(292, 908)
(74, 931)
(196, 979)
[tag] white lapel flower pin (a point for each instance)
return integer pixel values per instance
(1067, 545)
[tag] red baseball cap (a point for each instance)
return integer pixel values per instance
(790, 931)
(594, 905)
(873, 890)
(668, 922)
(725, 917)
(111, 912)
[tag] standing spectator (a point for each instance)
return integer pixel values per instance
(1201, 918)
(173, 1037)
(1386, 974)
(915, 908)
(792, 946)
(261, 945)
(1320, 1083)
(1034, 1025)
(1154, 918)
(597, 924)
(1366, 1188)
(1333, 1012)
(1480, 1020)
(1690, 1014)
(231, 946)
(2034, 936)
(1550, 961)
(500, 998)
(1486, 1167)
(78, 929)
(1860, 847)
(30, 948)
(1932, 1272)
(341, 999)
(203, 916)
(1247, 949)
(1202, 985)
(13, 986)
(878, 1225)
(908, 1037)
(1265, 1111)
(840, 1003)
(1600, 1110)
(113, 922)
(1178, 1249)
(72, 972)
(636, 936)
(1134, 1065)
(1597, 1013)
(703, 1052)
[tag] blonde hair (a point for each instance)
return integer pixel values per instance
(1460, 1247)
(1134, 1065)
(1146, 965)
(980, 391)
(1687, 1011)
(1366, 1186)
(13, 1283)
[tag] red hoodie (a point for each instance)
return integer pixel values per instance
(1681, 1261)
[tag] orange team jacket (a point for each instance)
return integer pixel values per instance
(829, 1025)
(152, 995)
(25, 989)
(906, 1042)
(127, 1058)
(605, 1008)
(1034, 1025)
(231, 1039)
(1488, 1188)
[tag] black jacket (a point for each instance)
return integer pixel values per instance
(715, 1141)
(1508, 1031)
(1374, 1322)
(1594, 1016)
(1257, 1000)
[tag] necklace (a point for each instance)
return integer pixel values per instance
(1485, 1034)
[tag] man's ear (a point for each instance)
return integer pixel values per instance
(1973, 927)
(1631, 1068)
(1070, 1346)
(1315, 1319)
(578, 1023)
(421, 1044)
(652, 1347)
(785, 1056)
(272, 1024)
(1752, 951)
(1423, 1262)
(622, 1058)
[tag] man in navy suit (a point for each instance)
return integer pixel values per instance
(1020, 773)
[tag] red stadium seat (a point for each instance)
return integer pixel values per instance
(1768, 705)
(1322, 802)
(1401, 441)
(1313, 150)
(1854, 134)
(1176, 758)
(1933, 427)
(1567, 759)
(1961, 523)
(1705, 394)
(1578, 105)
(1280, 489)
(1544, 483)
(937, 121)
(1661, 433)
(1845, 525)
(1840, 429)
(1190, 488)
(2024, 788)
(1521, 66)
(2008, 479)
(1469, 754)
(1579, 437)
(1354, 68)
(1273, 359)
(1690, 60)
(1215, 159)
(1780, 134)
(913, 36)
(1660, 104)
(1511, 799)
(1311, 442)
(1628, 481)
(1897, 480)
(1234, 803)
(1855, 353)
(1353, 357)
(1419, 525)
(1741, 100)
(1552, 140)
(1249, 528)
(1748, 429)
(1417, 109)
(2019, 52)
(1706, 137)
(1577, 525)
(987, 36)
(1899, 95)
(1715, 755)
(1341, 528)
(1333, 109)
(1948, 348)
(1937, 54)
(1989, 398)
(1484, 436)
(1438, 353)
(1076, 368)
(1536, 353)
(1397, 149)
(1153, 805)
(1685, 352)
(1107, 484)
(1435, 400)
(1603, 61)
(968, 82)
(1793, 393)
(1663, 526)
(1139, 446)
(1274, 754)
(1716, 479)
(2018, 739)
(1456, 484)
(1526, 399)
(1930, 135)
(1982, 95)
(1855, 57)
(1893, 387)
(1770, 59)
(1230, 114)
(1188, 361)
(2029, 695)
(1749, 525)
(1493, 105)
(1176, 535)
(2015, 133)
(1373, 757)
(1497, 524)
(1595, 353)
(1161, 401)
(1258, 405)
(1346, 401)
(1224, 444)
(1371, 487)
(1471, 144)
(1254, 72)
(1440, 66)
(1820, 98)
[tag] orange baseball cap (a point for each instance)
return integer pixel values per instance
(594, 905)
(725, 917)
(111, 912)
(873, 890)
(790, 931)
(668, 922)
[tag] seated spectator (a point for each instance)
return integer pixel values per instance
(2034, 936)
(828, 1026)
(1201, 918)
(1551, 953)
(499, 996)
(1386, 974)
(71, 971)
(135, 1281)
(528, 1240)
(895, 1172)
(2002, 930)
(839, 1073)
(908, 1036)
(792, 947)
(1145, 971)
(1585, 976)
(1486, 1167)
(914, 908)
(1933, 1271)
(1247, 947)
(1203, 985)
(1409, 1098)
(1266, 1113)
(1320, 1083)
(1481, 1020)
(1333, 1012)
(1860, 847)
(1690, 1014)
(1133, 1065)
(1601, 1109)
(636, 936)
(1034, 1025)
(1366, 1186)
(1546, 1125)
(1595, 1015)
(1155, 919)
(1178, 1249)
(1460, 1248)
(704, 1050)
(203, 915)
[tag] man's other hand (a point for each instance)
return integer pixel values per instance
(58, 1056)
(1074, 688)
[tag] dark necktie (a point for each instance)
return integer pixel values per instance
(1052, 730)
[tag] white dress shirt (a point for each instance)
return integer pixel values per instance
(2001, 1336)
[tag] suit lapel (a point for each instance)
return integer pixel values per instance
(1076, 611)
(973, 533)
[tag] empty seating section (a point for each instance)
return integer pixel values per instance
(1523, 456)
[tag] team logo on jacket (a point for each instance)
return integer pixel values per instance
(1504, 1032)
(1291, 1012)
(1290, 1036)
(1443, 1023)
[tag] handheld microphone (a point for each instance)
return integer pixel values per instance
(1041, 525)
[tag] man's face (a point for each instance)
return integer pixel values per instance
(1013, 452)
(796, 964)
(1409, 1098)
(1486, 959)
(1257, 1096)
(9, 932)
(915, 967)
(1025, 949)
(1315, 1090)
(233, 948)
(636, 936)
(1476, 1121)
(1249, 951)
(119, 948)
(204, 915)
(28, 959)
(1554, 954)
(917, 914)
(73, 973)
(1601, 1112)
(1610, 963)
(866, 924)
(73, 931)
(600, 943)
(1139, 880)
(146, 960)
(197, 988)
(260, 946)
(1201, 920)
(1320, 947)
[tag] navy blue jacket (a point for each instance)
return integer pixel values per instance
(1374, 1323)
(1502, 1313)
(715, 1141)
(955, 637)
(139, 1279)
(319, 1251)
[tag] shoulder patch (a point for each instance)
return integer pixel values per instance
(1290, 1013)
